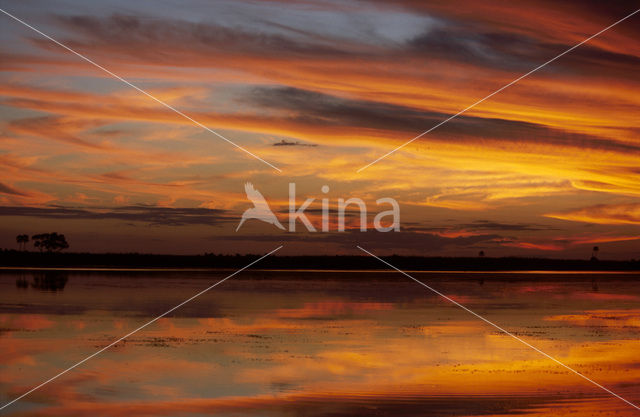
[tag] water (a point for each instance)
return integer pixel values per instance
(313, 343)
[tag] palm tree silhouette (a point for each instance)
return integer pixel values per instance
(594, 253)
(50, 241)
(22, 241)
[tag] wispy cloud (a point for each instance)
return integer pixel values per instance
(153, 215)
(603, 214)
(5, 189)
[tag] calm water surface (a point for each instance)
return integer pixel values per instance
(318, 344)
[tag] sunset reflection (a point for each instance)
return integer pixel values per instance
(287, 346)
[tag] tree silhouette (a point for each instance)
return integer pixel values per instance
(22, 241)
(594, 253)
(38, 241)
(51, 242)
(481, 254)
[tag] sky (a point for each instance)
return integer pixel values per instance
(548, 167)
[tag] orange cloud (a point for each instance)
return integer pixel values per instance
(603, 214)
(538, 246)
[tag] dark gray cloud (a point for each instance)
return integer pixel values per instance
(313, 108)
(349, 211)
(515, 52)
(412, 241)
(495, 49)
(164, 40)
(374, 240)
(296, 143)
(479, 226)
(152, 215)
(456, 38)
(5, 189)
(484, 39)
(491, 225)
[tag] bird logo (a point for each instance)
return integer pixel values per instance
(260, 209)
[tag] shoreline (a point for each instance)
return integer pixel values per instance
(19, 260)
(367, 271)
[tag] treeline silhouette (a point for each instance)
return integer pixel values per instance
(14, 258)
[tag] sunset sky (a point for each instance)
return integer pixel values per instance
(548, 167)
